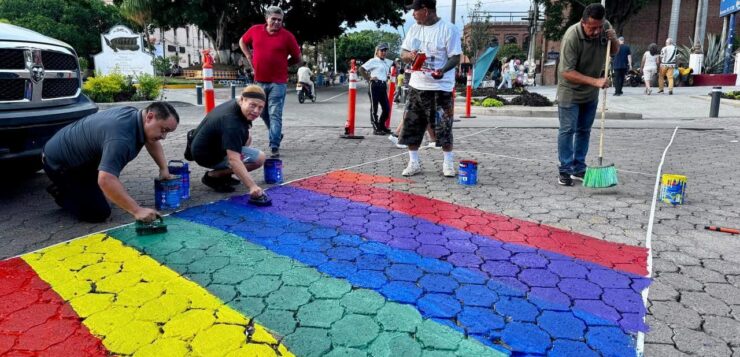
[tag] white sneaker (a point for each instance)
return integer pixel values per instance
(448, 168)
(394, 140)
(433, 145)
(413, 168)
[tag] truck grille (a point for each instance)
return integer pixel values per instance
(12, 59)
(60, 87)
(57, 61)
(12, 89)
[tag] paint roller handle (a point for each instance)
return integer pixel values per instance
(722, 229)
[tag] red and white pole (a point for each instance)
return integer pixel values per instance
(391, 94)
(469, 95)
(349, 127)
(208, 81)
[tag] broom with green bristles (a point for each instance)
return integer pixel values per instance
(602, 176)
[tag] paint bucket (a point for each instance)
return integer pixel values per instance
(167, 193)
(467, 173)
(273, 171)
(180, 168)
(673, 188)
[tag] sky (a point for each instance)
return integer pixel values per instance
(444, 10)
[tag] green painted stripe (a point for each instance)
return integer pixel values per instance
(316, 314)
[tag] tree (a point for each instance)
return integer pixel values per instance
(617, 12)
(477, 32)
(224, 21)
(76, 22)
(360, 46)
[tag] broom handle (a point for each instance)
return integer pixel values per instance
(603, 104)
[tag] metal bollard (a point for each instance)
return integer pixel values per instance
(714, 107)
(199, 94)
(233, 90)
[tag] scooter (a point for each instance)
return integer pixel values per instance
(303, 90)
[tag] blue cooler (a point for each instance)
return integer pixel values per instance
(180, 168)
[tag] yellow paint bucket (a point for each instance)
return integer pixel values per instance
(672, 188)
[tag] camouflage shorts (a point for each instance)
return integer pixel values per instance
(427, 107)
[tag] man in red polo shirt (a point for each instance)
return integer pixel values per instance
(270, 49)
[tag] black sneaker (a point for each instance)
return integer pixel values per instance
(274, 153)
(379, 132)
(217, 184)
(579, 176)
(232, 181)
(564, 179)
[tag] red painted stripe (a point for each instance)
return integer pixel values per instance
(621, 257)
(365, 179)
(34, 320)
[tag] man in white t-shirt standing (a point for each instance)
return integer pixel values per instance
(304, 76)
(375, 71)
(437, 43)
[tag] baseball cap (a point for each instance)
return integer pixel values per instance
(381, 46)
(418, 4)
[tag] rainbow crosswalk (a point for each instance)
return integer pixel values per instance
(340, 265)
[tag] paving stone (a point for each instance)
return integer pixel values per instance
(438, 283)
(725, 292)
(397, 317)
(480, 320)
(329, 288)
(300, 276)
(675, 314)
(571, 349)
(354, 331)
(403, 272)
(609, 341)
(279, 320)
(526, 337)
(699, 343)
(362, 302)
(579, 288)
(259, 285)
(667, 350)
(517, 309)
(435, 336)
(395, 344)
(662, 292)
(320, 313)
(725, 328)
(704, 304)
(288, 298)
(308, 341)
(439, 305)
(561, 325)
(402, 291)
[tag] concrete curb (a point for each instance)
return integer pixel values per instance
(542, 112)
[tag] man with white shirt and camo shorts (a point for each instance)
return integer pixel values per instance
(431, 85)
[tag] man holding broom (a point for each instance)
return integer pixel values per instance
(580, 76)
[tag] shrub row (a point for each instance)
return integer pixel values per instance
(116, 87)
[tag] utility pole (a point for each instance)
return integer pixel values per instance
(673, 26)
(454, 7)
(335, 55)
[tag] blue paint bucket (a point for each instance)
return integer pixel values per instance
(673, 189)
(467, 173)
(167, 193)
(273, 171)
(180, 168)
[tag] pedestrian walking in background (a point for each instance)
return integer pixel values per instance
(582, 56)
(376, 71)
(668, 56)
(430, 88)
(621, 64)
(270, 49)
(649, 66)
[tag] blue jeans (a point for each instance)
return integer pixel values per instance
(574, 134)
(273, 112)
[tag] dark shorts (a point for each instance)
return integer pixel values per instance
(427, 108)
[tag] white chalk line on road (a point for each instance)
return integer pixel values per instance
(649, 239)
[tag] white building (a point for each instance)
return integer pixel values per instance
(184, 42)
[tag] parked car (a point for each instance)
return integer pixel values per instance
(40, 93)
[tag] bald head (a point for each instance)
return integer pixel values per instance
(668, 41)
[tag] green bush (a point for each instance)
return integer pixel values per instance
(490, 102)
(149, 87)
(104, 88)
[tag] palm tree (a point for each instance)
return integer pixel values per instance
(138, 11)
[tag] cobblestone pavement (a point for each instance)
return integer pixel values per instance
(693, 303)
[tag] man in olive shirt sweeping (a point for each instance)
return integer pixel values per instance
(580, 76)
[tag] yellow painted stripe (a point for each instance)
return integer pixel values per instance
(137, 306)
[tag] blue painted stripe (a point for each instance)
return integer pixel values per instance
(457, 297)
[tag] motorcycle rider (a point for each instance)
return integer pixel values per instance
(304, 77)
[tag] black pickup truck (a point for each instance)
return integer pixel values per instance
(40, 92)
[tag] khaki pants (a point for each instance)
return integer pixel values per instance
(666, 71)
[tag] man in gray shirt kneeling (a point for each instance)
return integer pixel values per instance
(85, 158)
